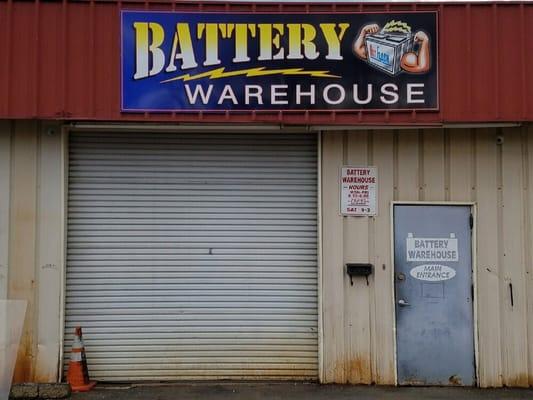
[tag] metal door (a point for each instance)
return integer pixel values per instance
(433, 282)
(193, 256)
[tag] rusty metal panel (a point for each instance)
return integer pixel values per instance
(63, 62)
(49, 251)
(31, 240)
(22, 239)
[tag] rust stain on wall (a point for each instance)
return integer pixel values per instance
(356, 371)
(359, 370)
(337, 374)
(23, 367)
(520, 380)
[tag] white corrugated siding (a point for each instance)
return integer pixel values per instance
(438, 165)
(193, 256)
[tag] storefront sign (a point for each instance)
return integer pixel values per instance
(359, 187)
(179, 61)
(432, 249)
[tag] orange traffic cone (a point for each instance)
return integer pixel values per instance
(78, 374)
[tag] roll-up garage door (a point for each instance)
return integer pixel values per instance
(193, 256)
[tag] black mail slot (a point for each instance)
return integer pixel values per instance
(358, 269)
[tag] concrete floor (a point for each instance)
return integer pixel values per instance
(292, 391)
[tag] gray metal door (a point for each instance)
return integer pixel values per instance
(433, 282)
(193, 256)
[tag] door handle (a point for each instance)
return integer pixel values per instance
(403, 303)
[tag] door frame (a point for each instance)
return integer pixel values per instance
(473, 211)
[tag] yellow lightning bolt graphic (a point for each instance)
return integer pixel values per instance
(260, 71)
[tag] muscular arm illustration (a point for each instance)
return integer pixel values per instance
(359, 45)
(418, 63)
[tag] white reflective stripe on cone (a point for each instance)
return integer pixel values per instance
(75, 356)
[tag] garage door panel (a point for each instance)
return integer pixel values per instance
(200, 342)
(183, 189)
(95, 276)
(193, 256)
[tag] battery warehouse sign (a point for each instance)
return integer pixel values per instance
(174, 61)
(359, 188)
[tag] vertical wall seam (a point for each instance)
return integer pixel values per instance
(476, 270)
(473, 164)
(4, 220)
(345, 375)
(10, 216)
(501, 277)
(9, 58)
(371, 256)
(319, 259)
(523, 64)
(11, 127)
(92, 50)
(469, 63)
(526, 237)
(395, 156)
(496, 65)
(473, 184)
(64, 237)
(36, 54)
(36, 126)
(421, 175)
(529, 261)
(447, 164)
(64, 53)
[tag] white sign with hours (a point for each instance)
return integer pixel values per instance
(359, 188)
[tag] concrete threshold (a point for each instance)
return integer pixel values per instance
(292, 391)
(29, 391)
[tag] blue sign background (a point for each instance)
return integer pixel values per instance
(149, 94)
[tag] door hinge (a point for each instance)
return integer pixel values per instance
(471, 221)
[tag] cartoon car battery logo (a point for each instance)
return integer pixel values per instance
(392, 49)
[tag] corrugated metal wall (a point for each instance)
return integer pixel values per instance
(358, 327)
(31, 239)
(431, 165)
(193, 256)
(61, 60)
